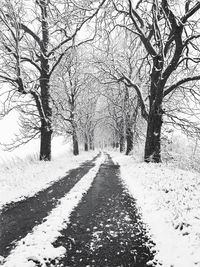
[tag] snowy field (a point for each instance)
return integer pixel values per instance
(22, 175)
(169, 200)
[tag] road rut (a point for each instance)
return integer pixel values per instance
(17, 219)
(106, 228)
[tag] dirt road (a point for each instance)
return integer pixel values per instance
(18, 219)
(105, 229)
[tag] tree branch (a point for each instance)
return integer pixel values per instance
(26, 59)
(185, 80)
(141, 101)
(31, 33)
(191, 12)
(77, 29)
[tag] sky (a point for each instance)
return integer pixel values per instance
(8, 127)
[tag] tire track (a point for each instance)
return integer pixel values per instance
(18, 219)
(106, 228)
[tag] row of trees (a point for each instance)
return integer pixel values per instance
(161, 41)
(36, 40)
(60, 60)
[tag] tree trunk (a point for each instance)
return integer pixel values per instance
(129, 140)
(45, 113)
(46, 117)
(45, 109)
(74, 135)
(45, 142)
(75, 144)
(116, 139)
(91, 141)
(86, 146)
(91, 145)
(86, 142)
(153, 137)
(121, 143)
(152, 151)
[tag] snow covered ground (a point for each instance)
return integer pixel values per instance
(37, 246)
(23, 175)
(169, 200)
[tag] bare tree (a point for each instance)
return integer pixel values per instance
(168, 34)
(89, 114)
(183, 109)
(116, 57)
(34, 39)
(69, 81)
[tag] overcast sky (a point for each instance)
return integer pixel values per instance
(8, 127)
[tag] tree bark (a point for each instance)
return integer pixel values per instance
(121, 143)
(113, 144)
(86, 146)
(152, 151)
(91, 145)
(129, 140)
(46, 115)
(75, 144)
(86, 142)
(45, 142)
(153, 137)
(91, 140)
(46, 110)
(74, 132)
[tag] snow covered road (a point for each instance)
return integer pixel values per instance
(86, 219)
(18, 219)
(106, 229)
